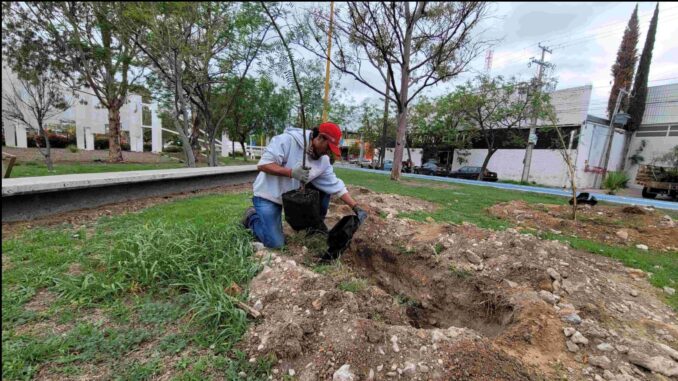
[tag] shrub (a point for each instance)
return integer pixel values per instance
(172, 149)
(615, 181)
(101, 142)
(73, 148)
(55, 140)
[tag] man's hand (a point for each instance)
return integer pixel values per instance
(300, 174)
(362, 215)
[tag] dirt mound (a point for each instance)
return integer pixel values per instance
(411, 300)
(622, 226)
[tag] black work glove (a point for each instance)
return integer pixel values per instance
(362, 215)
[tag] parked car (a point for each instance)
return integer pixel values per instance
(471, 173)
(364, 163)
(388, 165)
(430, 168)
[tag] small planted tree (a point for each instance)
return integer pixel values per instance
(549, 114)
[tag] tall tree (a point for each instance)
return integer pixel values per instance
(258, 109)
(229, 39)
(416, 47)
(162, 31)
(495, 108)
(639, 93)
(84, 42)
(623, 68)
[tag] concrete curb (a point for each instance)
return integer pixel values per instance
(31, 197)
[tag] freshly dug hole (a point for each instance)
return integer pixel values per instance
(434, 297)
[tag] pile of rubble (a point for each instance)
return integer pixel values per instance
(426, 301)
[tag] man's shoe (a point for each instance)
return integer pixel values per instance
(246, 218)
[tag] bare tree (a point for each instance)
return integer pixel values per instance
(32, 102)
(413, 48)
(548, 112)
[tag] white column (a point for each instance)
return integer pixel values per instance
(21, 140)
(136, 138)
(156, 129)
(224, 144)
(10, 135)
(80, 137)
(89, 139)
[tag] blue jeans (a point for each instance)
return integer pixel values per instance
(266, 223)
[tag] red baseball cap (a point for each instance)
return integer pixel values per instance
(332, 133)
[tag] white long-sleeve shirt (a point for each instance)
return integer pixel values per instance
(286, 150)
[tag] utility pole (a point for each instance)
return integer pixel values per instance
(533, 129)
(608, 141)
(326, 98)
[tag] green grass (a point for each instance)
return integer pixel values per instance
(39, 169)
(34, 168)
(164, 267)
(469, 203)
(353, 285)
(463, 203)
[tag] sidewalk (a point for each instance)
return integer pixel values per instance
(626, 200)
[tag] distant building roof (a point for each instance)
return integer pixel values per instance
(597, 119)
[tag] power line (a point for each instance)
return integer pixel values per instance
(586, 35)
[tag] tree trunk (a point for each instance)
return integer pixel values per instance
(212, 161)
(182, 126)
(244, 154)
(195, 133)
(382, 152)
(114, 150)
(402, 106)
(485, 162)
(47, 154)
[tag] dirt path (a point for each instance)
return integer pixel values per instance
(426, 301)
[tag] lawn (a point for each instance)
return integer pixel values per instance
(149, 284)
(461, 202)
(33, 168)
(142, 295)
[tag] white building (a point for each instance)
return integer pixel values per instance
(90, 118)
(658, 133)
(587, 136)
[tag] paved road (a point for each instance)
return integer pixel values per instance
(525, 188)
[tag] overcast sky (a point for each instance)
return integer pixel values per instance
(584, 38)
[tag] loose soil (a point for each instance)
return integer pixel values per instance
(425, 301)
(614, 225)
